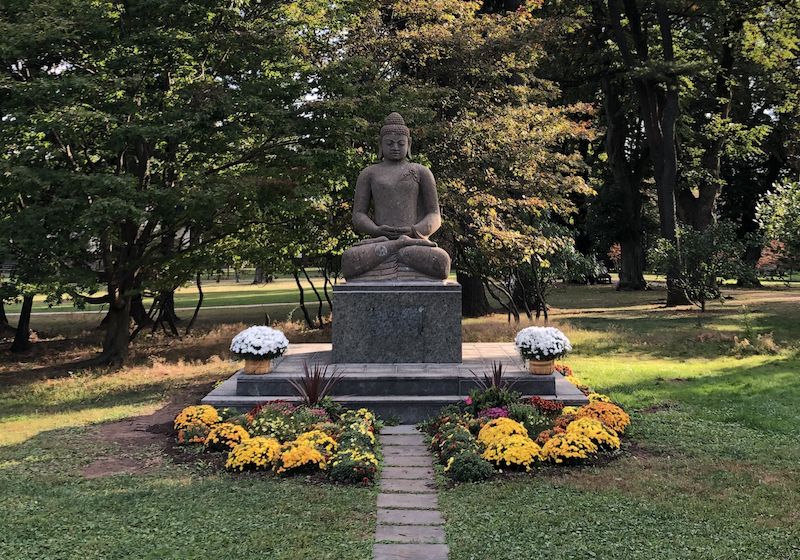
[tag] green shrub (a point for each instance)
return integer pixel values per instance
(353, 466)
(452, 441)
(275, 424)
(492, 397)
(469, 467)
(530, 417)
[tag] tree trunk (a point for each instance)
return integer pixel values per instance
(117, 337)
(22, 337)
(658, 99)
(5, 327)
(199, 304)
(168, 306)
(631, 274)
(474, 302)
(749, 277)
(258, 277)
(139, 313)
(303, 307)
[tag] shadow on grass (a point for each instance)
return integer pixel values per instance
(680, 336)
(762, 397)
(147, 393)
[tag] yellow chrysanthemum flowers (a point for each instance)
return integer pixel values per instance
(512, 451)
(299, 454)
(318, 438)
(499, 428)
(200, 414)
(569, 445)
(596, 431)
(608, 413)
(226, 436)
(254, 453)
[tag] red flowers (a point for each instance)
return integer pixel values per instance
(547, 406)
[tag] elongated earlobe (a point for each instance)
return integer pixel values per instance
(408, 151)
(380, 150)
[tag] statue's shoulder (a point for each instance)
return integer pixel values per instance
(421, 170)
(369, 171)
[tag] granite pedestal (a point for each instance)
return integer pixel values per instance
(406, 392)
(397, 322)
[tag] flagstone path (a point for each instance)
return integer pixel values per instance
(410, 526)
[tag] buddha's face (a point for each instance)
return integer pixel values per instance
(394, 146)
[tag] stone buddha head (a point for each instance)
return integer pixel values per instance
(395, 139)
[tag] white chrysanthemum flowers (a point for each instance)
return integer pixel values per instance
(542, 343)
(259, 343)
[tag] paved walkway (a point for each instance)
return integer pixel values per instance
(410, 526)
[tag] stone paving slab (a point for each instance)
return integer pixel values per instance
(406, 451)
(409, 472)
(409, 461)
(408, 501)
(430, 534)
(392, 440)
(409, 552)
(409, 517)
(408, 486)
(405, 429)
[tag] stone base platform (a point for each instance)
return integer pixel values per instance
(397, 322)
(405, 392)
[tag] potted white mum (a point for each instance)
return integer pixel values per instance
(259, 345)
(541, 346)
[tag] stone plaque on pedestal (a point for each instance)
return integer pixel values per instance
(397, 322)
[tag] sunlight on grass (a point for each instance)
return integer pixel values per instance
(18, 429)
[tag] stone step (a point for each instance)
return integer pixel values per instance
(409, 440)
(430, 534)
(393, 551)
(407, 486)
(402, 429)
(406, 451)
(408, 473)
(409, 517)
(408, 501)
(393, 383)
(407, 461)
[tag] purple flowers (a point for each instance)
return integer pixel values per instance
(495, 412)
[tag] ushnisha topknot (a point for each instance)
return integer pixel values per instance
(394, 123)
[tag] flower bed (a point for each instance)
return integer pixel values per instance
(498, 430)
(283, 438)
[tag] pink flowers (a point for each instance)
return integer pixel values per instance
(468, 401)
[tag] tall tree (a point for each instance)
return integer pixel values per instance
(505, 154)
(151, 121)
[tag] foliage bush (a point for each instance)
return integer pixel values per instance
(530, 417)
(353, 466)
(493, 397)
(473, 447)
(468, 466)
(285, 438)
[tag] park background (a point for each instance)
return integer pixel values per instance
(153, 151)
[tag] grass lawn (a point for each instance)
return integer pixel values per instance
(712, 469)
(76, 484)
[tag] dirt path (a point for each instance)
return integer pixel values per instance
(131, 434)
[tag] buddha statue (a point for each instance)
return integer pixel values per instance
(405, 213)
